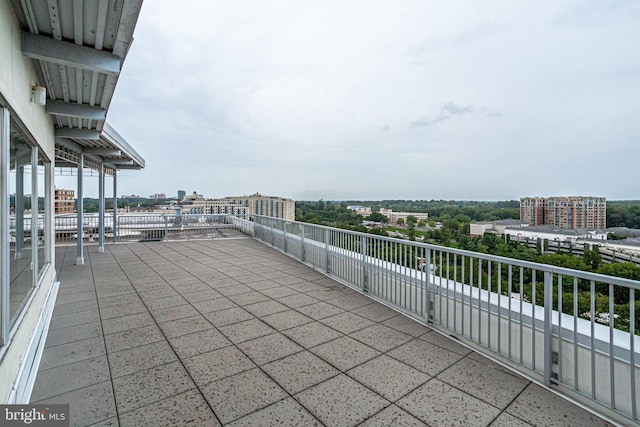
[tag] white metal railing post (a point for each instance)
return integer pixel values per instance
(548, 306)
(284, 236)
(302, 242)
(114, 226)
(273, 236)
(166, 228)
(428, 306)
(101, 208)
(80, 220)
(327, 267)
(363, 251)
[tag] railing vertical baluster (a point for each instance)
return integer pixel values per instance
(462, 307)
(521, 289)
(327, 263)
(480, 301)
(363, 243)
(632, 352)
(575, 332)
(611, 352)
(509, 320)
(499, 310)
(593, 339)
(534, 304)
(427, 298)
(455, 292)
(302, 257)
(560, 334)
(471, 276)
(285, 249)
(548, 302)
(489, 290)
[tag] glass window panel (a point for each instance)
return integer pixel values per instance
(41, 215)
(20, 268)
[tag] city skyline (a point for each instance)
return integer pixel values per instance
(345, 101)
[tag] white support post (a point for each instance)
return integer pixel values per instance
(114, 227)
(80, 221)
(101, 209)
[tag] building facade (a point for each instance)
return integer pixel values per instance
(56, 81)
(565, 212)
(395, 216)
(64, 201)
(245, 206)
(360, 210)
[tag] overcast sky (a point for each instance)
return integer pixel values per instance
(339, 100)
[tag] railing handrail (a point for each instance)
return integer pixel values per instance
(597, 277)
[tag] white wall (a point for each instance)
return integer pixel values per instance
(17, 75)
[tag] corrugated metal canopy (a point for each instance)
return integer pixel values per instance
(78, 47)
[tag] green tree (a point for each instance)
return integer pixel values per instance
(400, 221)
(592, 258)
(377, 217)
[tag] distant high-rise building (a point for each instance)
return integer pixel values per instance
(158, 196)
(64, 201)
(181, 194)
(565, 212)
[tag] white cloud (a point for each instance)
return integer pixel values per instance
(371, 99)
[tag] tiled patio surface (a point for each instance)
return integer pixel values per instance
(232, 332)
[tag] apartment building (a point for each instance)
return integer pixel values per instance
(64, 201)
(569, 212)
(255, 204)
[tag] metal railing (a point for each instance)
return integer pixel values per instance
(177, 227)
(572, 330)
(141, 227)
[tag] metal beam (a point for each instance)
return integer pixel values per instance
(69, 109)
(102, 151)
(120, 162)
(73, 146)
(132, 167)
(65, 53)
(74, 133)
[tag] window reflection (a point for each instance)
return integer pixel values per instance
(41, 214)
(20, 267)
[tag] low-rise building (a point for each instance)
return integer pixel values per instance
(360, 210)
(554, 233)
(395, 216)
(495, 227)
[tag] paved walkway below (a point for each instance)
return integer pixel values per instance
(232, 332)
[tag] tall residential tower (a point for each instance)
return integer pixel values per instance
(565, 212)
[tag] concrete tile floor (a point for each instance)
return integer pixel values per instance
(231, 332)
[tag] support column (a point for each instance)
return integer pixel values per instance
(80, 220)
(35, 235)
(5, 161)
(115, 207)
(19, 208)
(101, 209)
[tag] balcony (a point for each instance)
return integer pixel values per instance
(233, 332)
